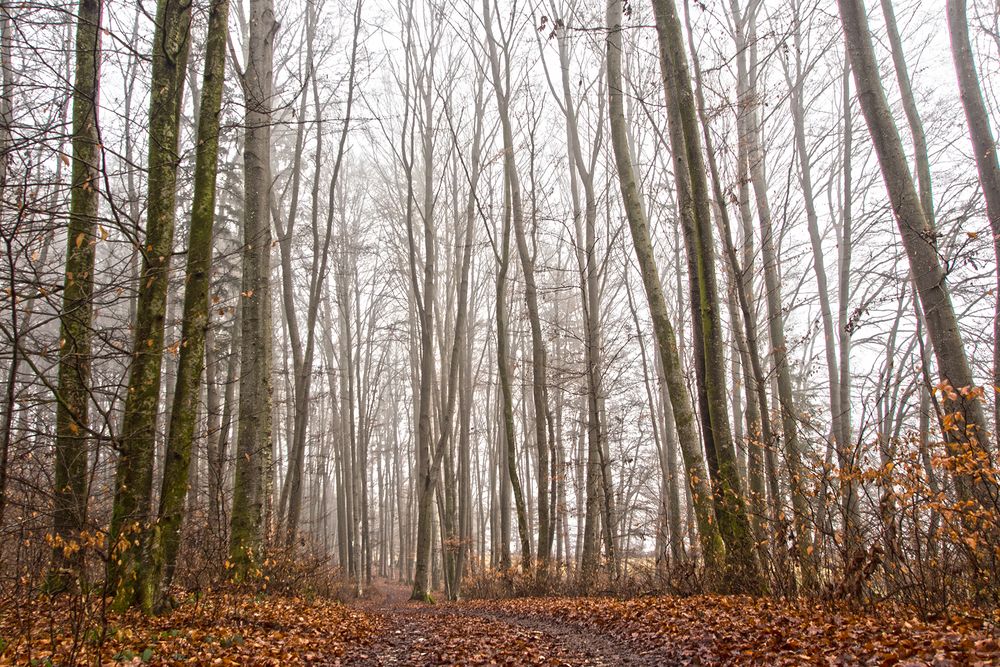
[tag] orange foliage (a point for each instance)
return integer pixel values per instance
(219, 629)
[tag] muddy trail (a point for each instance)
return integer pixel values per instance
(482, 633)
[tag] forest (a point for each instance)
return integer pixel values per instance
(421, 332)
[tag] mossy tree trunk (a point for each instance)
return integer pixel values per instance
(165, 538)
(749, 124)
(759, 430)
(710, 352)
(75, 318)
(712, 546)
(134, 473)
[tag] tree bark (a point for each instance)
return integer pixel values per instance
(303, 373)
(509, 455)
(501, 86)
(129, 536)
(713, 549)
(985, 153)
(750, 132)
(72, 406)
(710, 353)
(162, 558)
(759, 429)
(425, 309)
(841, 439)
(964, 421)
(253, 440)
(849, 496)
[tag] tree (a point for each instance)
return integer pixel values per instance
(965, 436)
(695, 215)
(458, 360)
(713, 549)
(303, 361)
(513, 209)
(750, 136)
(502, 89)
(165, 539)
(134, 472)
(6, 126)
(582, 170)
(253, 440)
(424, 297)
(73, 393)
(840, 431)
(985, 154)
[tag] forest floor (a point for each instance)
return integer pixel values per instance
(387, 629)
(661, 630)
(484, 633)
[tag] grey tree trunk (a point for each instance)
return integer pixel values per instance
(501, 86)
(848, 497)
(459, 343)
(919, 239)
(985, 153)
(6, 124)
(218, 452)
(584, 167)
(303, 371)
(425, 300)
(253, 440)
(750, 132)
(513, 205)
(841, 439)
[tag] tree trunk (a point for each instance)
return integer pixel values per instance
(303, 372)
(713, 549)
(425, 308)
(73, 394)
(985, 153)
(513, 207)
(849, 494)
(165, 540)
(841, 439)
(253, 440)
(919, 238)
(134, 474)
(759, 429)
(750, 132)
(501, 86)
(6, 123)
(509, 455)
(695, 213)
(217, 464)
(461, 327)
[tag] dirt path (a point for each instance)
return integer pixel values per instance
(461, 634)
